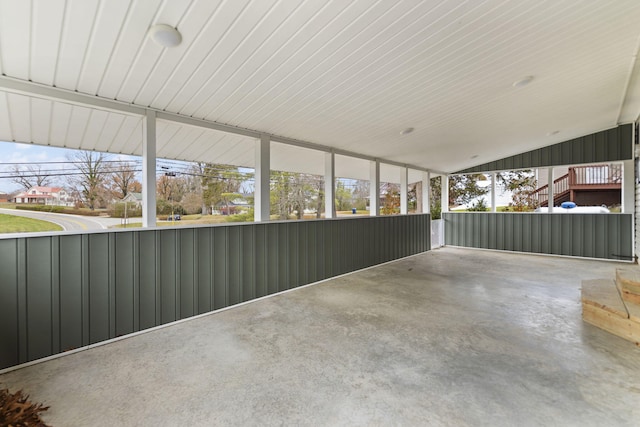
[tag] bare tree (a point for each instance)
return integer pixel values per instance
(123, 179)
(30, 176)
(89, 181)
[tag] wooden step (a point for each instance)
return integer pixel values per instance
(603, 307)
(628, 279)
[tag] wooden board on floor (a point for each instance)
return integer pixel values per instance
(629, 279)
(633, 310)
(603, 294)
(610, 322)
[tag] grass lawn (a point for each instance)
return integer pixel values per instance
(186, 220)
(18, 224)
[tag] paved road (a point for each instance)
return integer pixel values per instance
(67, 222)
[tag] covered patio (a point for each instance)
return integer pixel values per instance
(448, 337)
(197, 328)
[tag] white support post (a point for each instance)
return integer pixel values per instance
(262, 187)
(426, 192)
(494, 176)
(149, 169)
(550, 188)
(628, 187)
(374, 188)
(404, 184)
(444, 190)
(329, 185)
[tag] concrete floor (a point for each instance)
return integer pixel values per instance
(452, 337)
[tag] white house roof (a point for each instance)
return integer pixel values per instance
(346, 75)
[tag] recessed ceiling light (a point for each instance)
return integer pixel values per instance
(523, 81)
(475, 156)
(555, 132)
(406, 131)
(165, 35)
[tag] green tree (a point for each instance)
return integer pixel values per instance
(343, 196)
(462, 190)
(522, 184)
(221, 184)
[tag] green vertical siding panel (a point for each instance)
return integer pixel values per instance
(124, 283)
(39, 297)
(589, 149)
(292, 253)
(600, 236)
(248, 262)
(625, 248)
(99, 295)
(335, 247)
(312, 251)
(588, 242)
(55, 294)
(168, 283)
(577, 244)
(273, 258)
(261, 275)
(9, 303)
(613, 150)
(112, 284)
(204, 270)
(220, 275)
(283, 258)
(609, 145)
(70, 292)
(491, 234)
(188, 265)
(625, 141)
(149, 288)
(601, 149)
(303, 253)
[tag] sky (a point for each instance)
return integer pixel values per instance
(12, 153)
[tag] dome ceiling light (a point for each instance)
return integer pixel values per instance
(165, 35)
(523, 82)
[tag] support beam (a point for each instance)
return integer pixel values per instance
(329, 185)
(149, 169)
(404, 178)
(494, 176)
(262, 187)
(374, 188)
(23, 87)
(550, 186)
(426, 192)
(444, 190)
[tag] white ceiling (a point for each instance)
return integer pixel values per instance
(349, 75)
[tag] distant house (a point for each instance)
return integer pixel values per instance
(52, 196)
(233, 207)
(132, 198)
(4, 197)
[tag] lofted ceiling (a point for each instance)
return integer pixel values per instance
(349, 75)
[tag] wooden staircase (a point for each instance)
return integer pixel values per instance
(614, 305)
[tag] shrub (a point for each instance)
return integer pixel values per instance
(246, 216)
(58, 209)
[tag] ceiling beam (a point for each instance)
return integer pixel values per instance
(38, 90)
